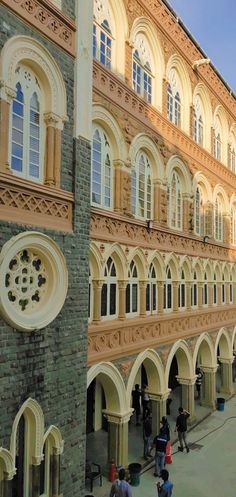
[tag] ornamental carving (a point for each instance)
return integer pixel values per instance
(47, 19)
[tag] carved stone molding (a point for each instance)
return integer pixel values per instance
(112, 340)
(28, 203)
(109, 86)
(45, 17)
(134, 233)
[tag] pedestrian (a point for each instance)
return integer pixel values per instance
(145, 399)
(160, 443)
(165, 490)
(168, 402)
(199, 382)
(120, 487)
(181, 427)
(147, 432)
(166, 427)
(136, 394)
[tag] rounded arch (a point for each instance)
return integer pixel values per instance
(34, 414)
(204, 346)
(112, 383)
(95, 260)
(121, 33)
(117, 254)
(224, 343)
(201, 91)
(157, 260)
(105, 119)
(7, 462)
(27, 50)
(144, 142)
(154, 369)
(177, 63)
(219, 114)
(182, 352)
(175, 163)
(57, 442)
(200, 179)
(145, 26)
(137, 255)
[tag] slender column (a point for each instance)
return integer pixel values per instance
(160, 290)
(118, 186)
(187, 202)
(219, 294)
(188, 295)
(97, 291)
(57, 157)
(52, 148)
(210, 294)
(4, 135)
(35, 480)
(227, 375)
(157, 201)
(209, 399)
(55, 463)
(227, 294)
(122, 284)
(199, 294)
(158, 409)
(118, 436)
(187, 395)
(7, 487)
(226, 228)
(164, 97)
(175, 288)
(142, 297)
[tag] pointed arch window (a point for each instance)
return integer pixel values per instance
(205, 290)
(197, 127)
(101, 183)
(102, 42)
(173, 99)
(218, 220)
(151, 291)
(141, 188)
(233, 225)
(132, 293)
(199, 213)
(175, 202)
(214, 290)
(182, 291)
(109, 291)
(194, 295)
(27, 127)
(168, 290)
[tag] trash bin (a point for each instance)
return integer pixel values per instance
(220, 404)
(134, 471)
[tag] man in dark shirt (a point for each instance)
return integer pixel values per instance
(181, 427)
(160, 443)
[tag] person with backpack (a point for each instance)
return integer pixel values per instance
(165, 490)
(181, 427)
(120, 487)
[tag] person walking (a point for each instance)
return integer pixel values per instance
(160, 443)
(181, 427)
(147, 432)
(120, 487)
(165, 490)
(136, 394)
(199, 382)
(166, 427)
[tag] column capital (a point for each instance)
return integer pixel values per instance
(186, 381)
(116, 417)
(161, 396)
(98, 283)
(36, 460)
(6, 92)
(143, 283)
(122, 284)
(119, 164)
(209, 369)
(226, 360)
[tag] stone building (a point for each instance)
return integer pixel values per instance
(45, 156)
(163, 219)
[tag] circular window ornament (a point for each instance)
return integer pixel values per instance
(33, 280)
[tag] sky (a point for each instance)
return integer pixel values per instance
(213, 25)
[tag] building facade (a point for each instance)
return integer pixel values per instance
(45, 157)
(162, 251)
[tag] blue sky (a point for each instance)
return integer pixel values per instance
(213, 24)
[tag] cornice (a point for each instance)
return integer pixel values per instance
(115, 339)
(48, 19)
(113, 89)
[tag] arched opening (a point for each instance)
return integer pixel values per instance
(225, 359)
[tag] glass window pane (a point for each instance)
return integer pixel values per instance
(104, 300)
(127, 300)
(134, 297)
(112, 299)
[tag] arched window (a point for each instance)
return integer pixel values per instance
(27, 126)
(109, 290)
(194, 295)
(233, 224)
(217, 141)
(101, 183)
(151, 291)
(182, 291)
(199, 213)
(142, 72)
(214, 290)
(198, 121)
(173, 99)
(141, 191)
(175, 202)
(205, 290)
(231, 295)
(218, 220)
(132, 290)
(20, 482)
(102, 34)
(223, 289)
(168, 290)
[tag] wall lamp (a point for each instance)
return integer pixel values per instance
(149, 224)
(206, 239)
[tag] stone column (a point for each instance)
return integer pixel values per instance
(97, 291)
(118, 186)
(188, 295)
(122, 284)
(199, 294)
(163, 205)
(35, 468)
(209, 380)
(227, 293)
(142, 297)
(6, 96)
(160, 297)
(164, 97)
(210, 294)
(118, 436)
(187, 395)
(227, 375)
(158, 409)
(209, 219)
(157, 201)
(55, 463)
(219, 293)
(7, 486)
(175, 296)
(57, 157)
(226, 229)
(53, 149)
(187, 202)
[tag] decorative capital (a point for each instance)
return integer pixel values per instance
(6, 92)
(117, 418)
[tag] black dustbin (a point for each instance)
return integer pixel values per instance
(134, 471)
(220, 404)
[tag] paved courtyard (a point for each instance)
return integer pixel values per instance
(209, 470)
